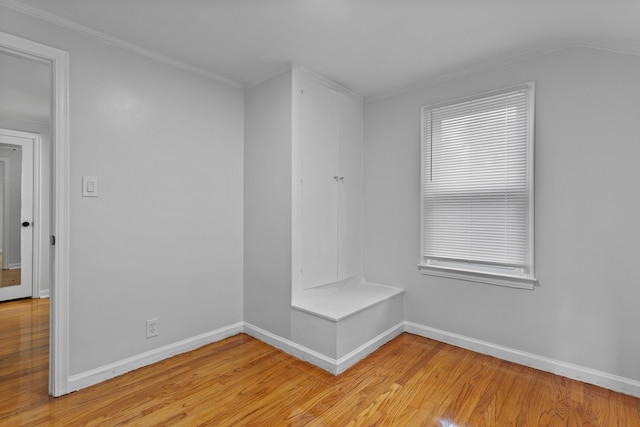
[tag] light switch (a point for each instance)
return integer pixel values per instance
(89, 186)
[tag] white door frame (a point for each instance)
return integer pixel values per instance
(59, 311)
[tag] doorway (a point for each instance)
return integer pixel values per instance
(20, 200)
(57, 62)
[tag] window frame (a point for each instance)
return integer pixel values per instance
(523, 278)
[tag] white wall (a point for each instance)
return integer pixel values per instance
(585, 310)
(25, 87)
(268, 204)
(154, 244)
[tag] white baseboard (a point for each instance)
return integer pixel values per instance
(103, 373)
(44, 293)
(569, 370)
(14, 265)
(350, 359)
(288, 346)
(320, 360)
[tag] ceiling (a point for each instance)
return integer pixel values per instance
(373, 47)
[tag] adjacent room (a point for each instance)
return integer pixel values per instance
(324, 213)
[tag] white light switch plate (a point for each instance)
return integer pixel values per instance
(89, 186)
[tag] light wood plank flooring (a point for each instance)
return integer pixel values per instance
(240, 381)
(9, 277)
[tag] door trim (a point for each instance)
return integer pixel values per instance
(59, 306)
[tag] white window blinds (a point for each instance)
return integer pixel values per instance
(477, 193)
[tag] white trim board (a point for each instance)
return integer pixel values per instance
(335, 366)
(103, 373)
(568, 370)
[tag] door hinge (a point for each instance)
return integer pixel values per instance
(53, 240)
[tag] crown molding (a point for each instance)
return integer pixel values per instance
(327, 81)
(106, 38)
(621, 48)
(606, 45)
(463, 72)
(308, 72)
(268, 76)
(609, 46)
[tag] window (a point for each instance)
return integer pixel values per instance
(477, 188)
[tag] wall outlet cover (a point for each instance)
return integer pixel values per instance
(152, 328)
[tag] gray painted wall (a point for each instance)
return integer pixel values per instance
(268, 204)
(587, 232)
(154, 244)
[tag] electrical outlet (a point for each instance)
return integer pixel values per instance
(152, 328)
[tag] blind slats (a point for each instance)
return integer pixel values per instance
(476, 180)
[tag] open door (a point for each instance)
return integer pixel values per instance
(16, 164)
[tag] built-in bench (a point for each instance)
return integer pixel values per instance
(347, 321)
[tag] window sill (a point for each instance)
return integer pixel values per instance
(520, 282)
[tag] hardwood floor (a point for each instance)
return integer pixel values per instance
(9, 277)
(240, 381)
